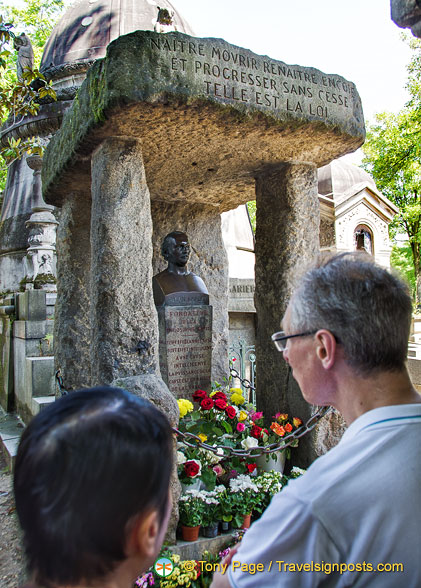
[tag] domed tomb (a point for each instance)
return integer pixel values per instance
(338, 176)
(84, 31)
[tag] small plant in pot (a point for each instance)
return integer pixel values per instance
(244, 495)
(191, 509)
(210, 513)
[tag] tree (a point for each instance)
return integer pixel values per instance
(20, 97)
(393, 158)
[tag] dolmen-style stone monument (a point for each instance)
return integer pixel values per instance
(169, 131)
(185, 320)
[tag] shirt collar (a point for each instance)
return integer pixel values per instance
(384, 413)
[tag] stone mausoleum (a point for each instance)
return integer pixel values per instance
(154, 132)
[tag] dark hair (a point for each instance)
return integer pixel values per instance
(167, 241)
(365, 306)
(86, 466)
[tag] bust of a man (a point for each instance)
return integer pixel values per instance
(176, 286)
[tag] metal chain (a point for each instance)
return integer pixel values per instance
(246, 383)
(226, 450)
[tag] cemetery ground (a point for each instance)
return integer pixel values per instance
(12, 561)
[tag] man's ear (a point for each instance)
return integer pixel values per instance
(326, 347)
(143, 535)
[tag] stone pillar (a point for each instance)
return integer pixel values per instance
(72, 324)
(287, 236)
(123, 316)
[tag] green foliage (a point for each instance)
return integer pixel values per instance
(393, 158)
(251, 207)
(401, 260)
(19, 98)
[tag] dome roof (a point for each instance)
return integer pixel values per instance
(337, 177)
(84, 31)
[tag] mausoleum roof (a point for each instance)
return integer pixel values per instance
(87, 27)
(338, 177)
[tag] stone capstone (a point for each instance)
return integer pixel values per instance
(208, 114)
(407, 14)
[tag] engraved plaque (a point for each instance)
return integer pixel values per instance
(185, 348)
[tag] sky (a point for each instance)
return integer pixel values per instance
(353, 38)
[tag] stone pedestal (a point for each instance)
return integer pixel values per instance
(287, 236)
(185, 348)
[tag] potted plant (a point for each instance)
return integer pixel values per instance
(225, 508)
(281, 426)
(244, 495)
(210, 512)
(191, 509)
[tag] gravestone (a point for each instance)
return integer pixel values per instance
(184, 319)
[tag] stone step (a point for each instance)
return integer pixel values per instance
(41, 402)
(195, 549)
(11, 428)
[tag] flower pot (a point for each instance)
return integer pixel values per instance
(196, 485)
(211, 530)
(246, 521)
(190, 533)
(225, 526)
(277, 464)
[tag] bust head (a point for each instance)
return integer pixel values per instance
(176, 248)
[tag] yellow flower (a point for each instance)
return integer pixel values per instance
(237, 398)
(236, 391)
(242, 416)
(184, 406)
(202, 437)
(212, 393)
(176, 558)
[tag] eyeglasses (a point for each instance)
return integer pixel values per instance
(280, 339)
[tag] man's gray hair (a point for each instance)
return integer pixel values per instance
(365, 306)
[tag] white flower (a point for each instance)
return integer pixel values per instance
(249, 443)
(242, 483)
(181, 458)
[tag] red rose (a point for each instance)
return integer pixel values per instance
(207, 403)
(220, 395)
(191, 469)
(288, 427)
(199, 395)
(220, 403)
(251, 467)
(256, 431)
(230, 412)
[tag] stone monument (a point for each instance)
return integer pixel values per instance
(185, 320)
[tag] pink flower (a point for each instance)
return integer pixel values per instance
(241, 427)
(219, 470)
(256, 416)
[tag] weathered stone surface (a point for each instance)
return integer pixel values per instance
(123, 316)
(152, 388)
(407, 14)
(208, 113)
(185, 348)
(72, 335)
(241, 295)
(287, 236)
(329, 432)
(208, 259)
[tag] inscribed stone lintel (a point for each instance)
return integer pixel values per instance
(185, 348)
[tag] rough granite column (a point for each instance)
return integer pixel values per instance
(287, 236)
(123, 317)
(72, 322)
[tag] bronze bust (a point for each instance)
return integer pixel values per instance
(176, 286)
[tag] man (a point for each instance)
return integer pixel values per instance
(92, 489)
(176, 278)
(345, 337)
